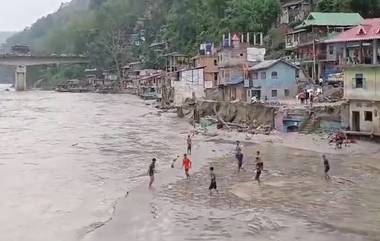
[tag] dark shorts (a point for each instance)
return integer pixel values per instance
(239, 157)
(327, 169)
(213, 186)
(186, 170)
(258, 174)
(188, 147)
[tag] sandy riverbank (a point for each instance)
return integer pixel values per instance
(294, 202)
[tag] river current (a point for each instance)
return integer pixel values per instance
(65, 159)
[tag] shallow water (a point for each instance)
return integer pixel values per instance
(68, 160)
(65, 159)
(294, 201)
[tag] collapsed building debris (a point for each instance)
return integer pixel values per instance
(252, 118)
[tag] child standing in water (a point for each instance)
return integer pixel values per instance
(186, 165)
(213, 185)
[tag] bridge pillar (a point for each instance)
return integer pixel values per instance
(20, 84)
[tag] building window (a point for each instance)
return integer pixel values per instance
(274, 75)
(331, 49)
(368, 116)
(215, 62)
(358, 81)
(263, 75)
(255, 75)
(274, 93)
(216, 76)
(286, 93)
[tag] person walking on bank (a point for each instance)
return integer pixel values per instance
(186, 165)
(327, 167)
(152, 171)
(213, 185)
(189, 144)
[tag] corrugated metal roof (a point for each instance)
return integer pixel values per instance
(269, 63)
(235, 80)
(369, 29)
(331, 19)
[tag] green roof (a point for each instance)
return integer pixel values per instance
(331, 19)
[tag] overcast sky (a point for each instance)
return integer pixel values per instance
(15, 15)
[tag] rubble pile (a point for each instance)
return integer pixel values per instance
(243, 117)
(331, 95)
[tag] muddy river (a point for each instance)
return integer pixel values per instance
(65, 159)
(67, 162)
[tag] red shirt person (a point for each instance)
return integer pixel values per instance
(186, 165)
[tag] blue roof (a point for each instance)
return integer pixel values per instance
(235, 80)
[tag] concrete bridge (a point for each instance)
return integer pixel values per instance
(22, 61)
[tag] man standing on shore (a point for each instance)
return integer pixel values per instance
(151, 171)
(327, 167)
(189, 144)
(186, 165)
(213, 181)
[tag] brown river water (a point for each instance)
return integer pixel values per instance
(67, 162)
(65, 159)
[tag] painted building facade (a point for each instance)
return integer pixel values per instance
(362, 91)
(272, 80)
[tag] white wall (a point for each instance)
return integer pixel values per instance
(190, 82)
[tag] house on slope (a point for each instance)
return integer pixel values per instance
(272, 80)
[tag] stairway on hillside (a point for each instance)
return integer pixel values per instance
(309, 127)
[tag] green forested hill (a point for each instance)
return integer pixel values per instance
(112, 32)
(106, 29)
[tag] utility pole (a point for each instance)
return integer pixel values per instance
(314, 61)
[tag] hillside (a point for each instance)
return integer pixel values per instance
(37, 36)
(114, 32)
(4, 36)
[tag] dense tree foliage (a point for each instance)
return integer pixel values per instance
(367, 8)
(113, 32)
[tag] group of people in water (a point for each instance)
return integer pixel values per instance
(187, 164)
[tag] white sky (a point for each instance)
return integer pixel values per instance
(15, 15)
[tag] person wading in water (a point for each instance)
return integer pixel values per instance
(213, 185)
(259, 169)
(186, 165)
(151, 171)
(327, 167)
(189, 144)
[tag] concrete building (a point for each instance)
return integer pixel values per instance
(305, 44)
(208, 59)
(188, 84)
(232, 61)
(294, 11)
(272, 80)
(362, 91)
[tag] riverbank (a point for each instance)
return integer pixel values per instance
(294, 202)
